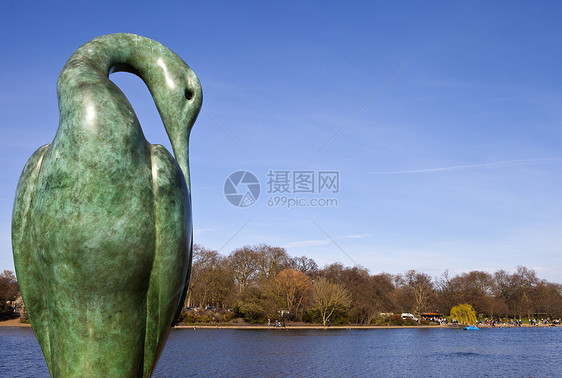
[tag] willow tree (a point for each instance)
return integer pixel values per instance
(464, 314)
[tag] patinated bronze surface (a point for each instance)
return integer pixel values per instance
(101, 228)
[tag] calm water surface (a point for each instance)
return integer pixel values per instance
(330, 353)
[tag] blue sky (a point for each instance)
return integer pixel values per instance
(443, 120)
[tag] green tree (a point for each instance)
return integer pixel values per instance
(464, 314)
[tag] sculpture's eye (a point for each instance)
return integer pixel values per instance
(188, 93)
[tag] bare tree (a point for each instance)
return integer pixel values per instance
(333, 272)
(384, 297)
(271, 260)
(422, 288)
(548, 298)
(447, 293)
(476, 288)
(305, 265)
(244, 262)
(505, 293)
(327, 297)
(211, 280)
(9, 291)
(359, 284)
(293, 287)
(525, 280)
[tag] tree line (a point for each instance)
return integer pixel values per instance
(263, 282)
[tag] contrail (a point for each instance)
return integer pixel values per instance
(467, 166)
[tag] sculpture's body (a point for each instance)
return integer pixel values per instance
(101, 229)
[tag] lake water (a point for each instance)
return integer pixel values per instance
(330, 353)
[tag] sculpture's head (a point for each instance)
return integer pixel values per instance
(173, 84)
(178, 97)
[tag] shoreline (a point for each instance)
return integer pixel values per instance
(312, 326)
(16, 323)
(318, 327)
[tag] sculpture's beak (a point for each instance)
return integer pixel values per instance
(179, 136)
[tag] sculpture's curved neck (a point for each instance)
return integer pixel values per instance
(113, 53)
(174, 87)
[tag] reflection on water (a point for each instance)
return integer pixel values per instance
(286, 352)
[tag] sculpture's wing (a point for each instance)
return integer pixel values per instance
(186, 286)
(172, 219)
(25, 254)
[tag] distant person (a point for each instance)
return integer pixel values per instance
(268, 322)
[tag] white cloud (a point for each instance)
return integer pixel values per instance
(199, 231)
(357, 236)
(467, 166)
(306, 243)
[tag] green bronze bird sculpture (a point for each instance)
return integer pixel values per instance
(101, 226)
